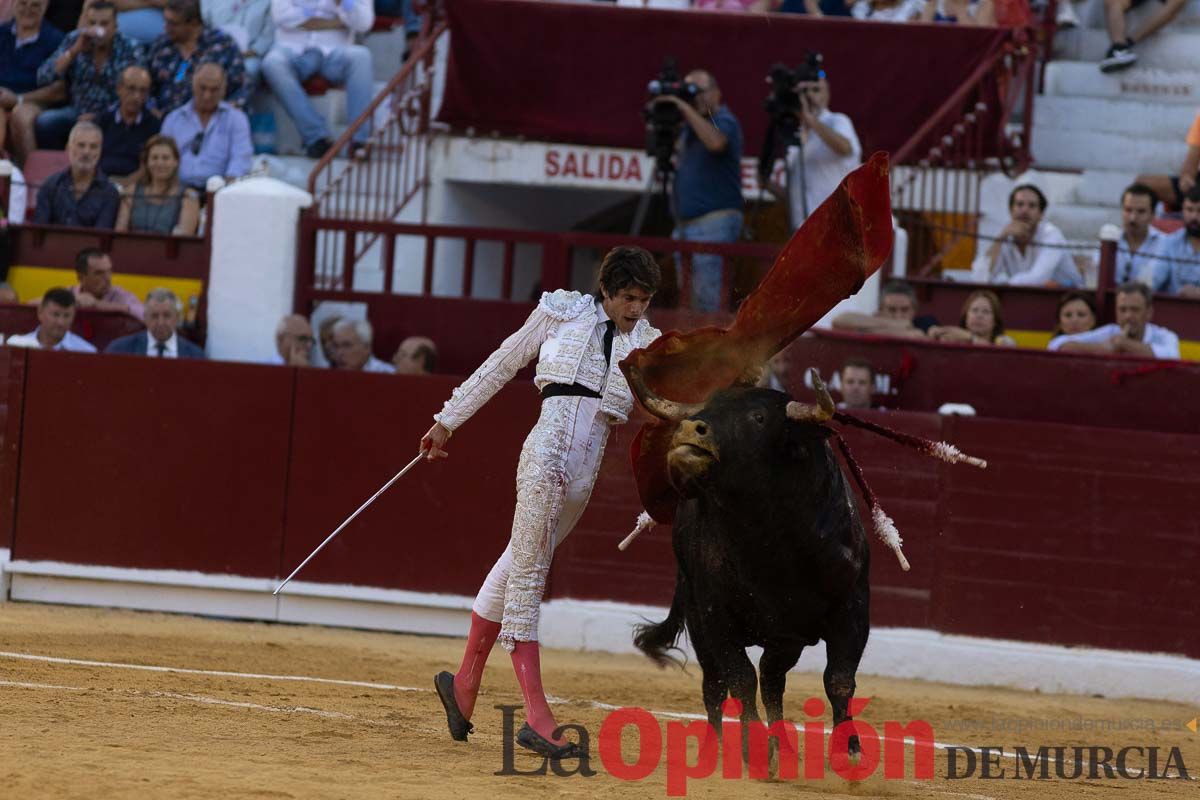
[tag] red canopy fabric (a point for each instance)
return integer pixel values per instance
(577, 72)
(840, 245)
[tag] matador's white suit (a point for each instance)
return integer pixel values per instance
(582, 397)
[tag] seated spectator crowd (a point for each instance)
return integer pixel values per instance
(127, 74)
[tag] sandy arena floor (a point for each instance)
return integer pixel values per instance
(107, 730)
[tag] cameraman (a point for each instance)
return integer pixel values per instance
(708, 183)
(828, 156)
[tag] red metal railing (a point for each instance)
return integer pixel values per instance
(937, 173)
(395, 166)
(332, 272)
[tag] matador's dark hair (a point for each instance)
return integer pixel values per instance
(629, 266)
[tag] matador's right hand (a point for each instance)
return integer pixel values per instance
(433, 443)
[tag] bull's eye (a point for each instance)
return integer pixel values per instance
(758, 417)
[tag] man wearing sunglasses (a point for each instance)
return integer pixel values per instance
(213, 136)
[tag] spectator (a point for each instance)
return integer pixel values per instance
(858, 384)
(88, 61)
(897, 315)
(128, 125)
(416, 355)
(293, 342)
(352, 347)
(249, 23)
(1076, 313)
(1137, 249)
(983, 13)
(157, 202)
(25, 43)
(80, 195)
(778, 373)
(815, 8)
(981, 322)
(829, 155)
(708, 183)
(1120, 55)
(160, 338)
(1181, 250)
(1172, 188)
(893, 10)
(8, 294)
(1132, 334)
(757, 6)
(175, 56)
(213, 136)
(140, 20)
(1029, 251)
(18, 198)
(56, 314)
(95, 289)
(316, 37)
(325, 333)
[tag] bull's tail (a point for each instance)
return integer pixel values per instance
(656, 639)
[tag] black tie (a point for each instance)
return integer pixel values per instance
(608, 334)
(161, 347)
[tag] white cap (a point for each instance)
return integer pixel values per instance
(6, 168)
(214, 184)
(1110, 233)
(961, 409)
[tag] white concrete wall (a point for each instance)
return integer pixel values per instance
(253, 269)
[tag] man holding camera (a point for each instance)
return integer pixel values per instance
(828, 149)
(708, 182)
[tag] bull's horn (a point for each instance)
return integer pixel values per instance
(659, 407)
(822, 412)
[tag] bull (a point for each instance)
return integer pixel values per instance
(770, 547)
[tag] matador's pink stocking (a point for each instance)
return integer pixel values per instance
(479, 645)
(528, 666)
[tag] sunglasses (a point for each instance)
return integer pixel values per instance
(197, 143)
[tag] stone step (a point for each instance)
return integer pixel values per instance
(1145, 84)
(1102, 188)
(1174, 48)
(1166, 121)
(1091, 15)
(1083, 149)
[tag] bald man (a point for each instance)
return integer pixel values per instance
(213, 136)
(128, 125)
(416, 355)
(293, 342)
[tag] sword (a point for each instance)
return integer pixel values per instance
(350, 519)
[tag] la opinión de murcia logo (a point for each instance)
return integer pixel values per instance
(755, 750)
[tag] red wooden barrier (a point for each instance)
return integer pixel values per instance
(1077, 535)
(138, 462)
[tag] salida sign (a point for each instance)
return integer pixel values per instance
(612, 168)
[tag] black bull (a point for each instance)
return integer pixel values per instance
(771, 551)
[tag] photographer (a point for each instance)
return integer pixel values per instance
(828, 150)
(708, 183)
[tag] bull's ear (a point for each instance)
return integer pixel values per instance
(800, 437)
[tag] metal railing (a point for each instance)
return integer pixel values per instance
(393, 168)
(976, 132)
(340, 271)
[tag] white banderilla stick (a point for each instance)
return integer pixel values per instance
(350, 519)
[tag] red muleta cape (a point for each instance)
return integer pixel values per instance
(828, 258)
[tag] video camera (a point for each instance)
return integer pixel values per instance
(663, 119)
(785, 103)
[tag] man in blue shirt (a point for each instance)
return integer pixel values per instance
(1181, 250)
(708, 183)
(25, 42)
(213, 136)
(80, 195)
(55, 315)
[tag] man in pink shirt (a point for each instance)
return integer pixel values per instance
(95, 288)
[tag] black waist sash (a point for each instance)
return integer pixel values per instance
(568, 390)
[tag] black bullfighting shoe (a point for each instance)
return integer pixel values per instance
(530, 739)
(459, 725)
